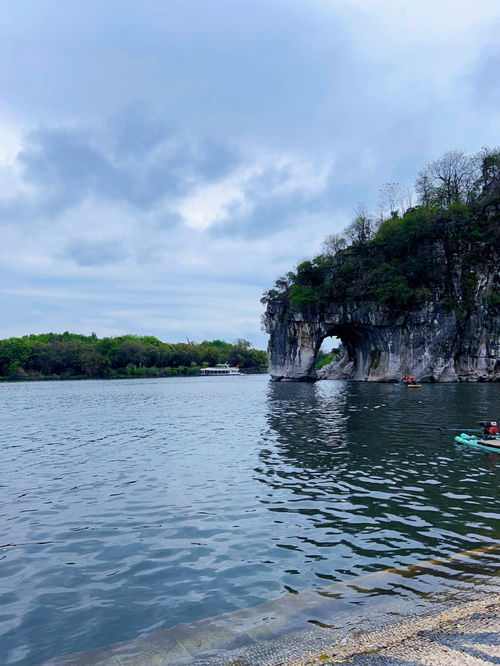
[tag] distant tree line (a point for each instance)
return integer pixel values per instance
(386, 257)
(68, 355)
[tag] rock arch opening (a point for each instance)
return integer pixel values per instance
(359, 352)
(331, 349)
(380, 344)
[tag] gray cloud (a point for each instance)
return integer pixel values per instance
(215, 159)
(134, 131)
(269, 215)
(135, 159)
(155, 145)
(484, 77)
(88, 253)
(67, 167)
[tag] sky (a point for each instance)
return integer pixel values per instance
(162, 163)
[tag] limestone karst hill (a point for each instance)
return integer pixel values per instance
(420, 295)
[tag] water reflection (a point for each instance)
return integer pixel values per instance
(367, 481)
(308, 426)
(134, 505)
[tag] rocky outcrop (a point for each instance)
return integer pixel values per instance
(452, 336)
(431, 343)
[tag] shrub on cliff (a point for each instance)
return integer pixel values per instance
(412, 256)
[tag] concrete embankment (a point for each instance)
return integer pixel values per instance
(350, 621)
(466, 635)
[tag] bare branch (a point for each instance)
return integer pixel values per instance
(334, 243)
(389, 198)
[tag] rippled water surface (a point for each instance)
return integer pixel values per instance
(128, 506)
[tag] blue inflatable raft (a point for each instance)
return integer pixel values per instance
(478, 442)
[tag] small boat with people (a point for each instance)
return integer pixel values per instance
(409, 382)
(221, 369)
(489, 440)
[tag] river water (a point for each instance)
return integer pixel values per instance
(127, 506)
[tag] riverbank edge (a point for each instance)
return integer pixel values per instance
(396, 635)
(280, 632)
(82, 378)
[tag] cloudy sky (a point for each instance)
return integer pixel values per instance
(162, 162)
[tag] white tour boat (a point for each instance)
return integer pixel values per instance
(221, 369)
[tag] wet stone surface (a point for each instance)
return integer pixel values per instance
(472, 640)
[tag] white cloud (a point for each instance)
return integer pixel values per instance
(10, 143)
(210, 204)
(266, 177)
(171, 170)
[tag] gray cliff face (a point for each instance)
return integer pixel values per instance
(433, 343)
(430, 343)
(452, 334)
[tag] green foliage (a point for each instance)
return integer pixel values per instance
(448, 302)
(374, 358)
(390, 286)
(397, 268)
(493, 298)
(433, 251)
(326, 360)
(14, 353)
(65, 355)
(301, 295)
(389, 227)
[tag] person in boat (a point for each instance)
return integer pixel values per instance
(406, 379)
(412, 380)
(490, 430)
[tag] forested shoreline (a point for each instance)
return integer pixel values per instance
(71, 356)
